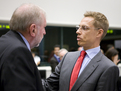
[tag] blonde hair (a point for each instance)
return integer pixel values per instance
(100, 21)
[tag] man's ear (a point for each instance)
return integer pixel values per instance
(100, 32)
(32, 30)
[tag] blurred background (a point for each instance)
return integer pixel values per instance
(62, 17)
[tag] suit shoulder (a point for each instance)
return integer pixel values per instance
(11, 41)
(73, 54)
(107, 62)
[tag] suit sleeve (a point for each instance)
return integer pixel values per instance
(18, 71)
(108, 80)
(52, 82)
(53, 64)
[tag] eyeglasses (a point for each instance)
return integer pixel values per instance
(83, 27)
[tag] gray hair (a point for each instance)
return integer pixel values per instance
(25, 15)
(63, 49)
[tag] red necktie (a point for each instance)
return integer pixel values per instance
(76, 69)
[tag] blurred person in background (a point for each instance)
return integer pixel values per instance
(112, 54)
(55, 58)
(36, 58)
(110, 46)
(62, 52)
(18, 71)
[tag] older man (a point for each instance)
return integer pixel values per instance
(18, 71)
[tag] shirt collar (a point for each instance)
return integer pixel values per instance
(56, 56)
(92, 52)
(26, 42)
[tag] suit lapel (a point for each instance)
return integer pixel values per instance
(90, 68)
(72, 62)
(67, 67)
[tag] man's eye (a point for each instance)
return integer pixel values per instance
(85, 28)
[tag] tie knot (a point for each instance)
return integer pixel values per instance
(83, 53)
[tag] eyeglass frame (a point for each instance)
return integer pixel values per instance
(82, 27)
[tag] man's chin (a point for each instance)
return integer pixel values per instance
(79, 44)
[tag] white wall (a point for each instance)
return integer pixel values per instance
(67, 12)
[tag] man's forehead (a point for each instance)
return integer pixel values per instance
(87, 20)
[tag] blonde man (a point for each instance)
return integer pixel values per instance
(97, 72)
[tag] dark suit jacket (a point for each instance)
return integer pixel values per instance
(119, 84)
(18, 71)
(53, 63)
(100, 74)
